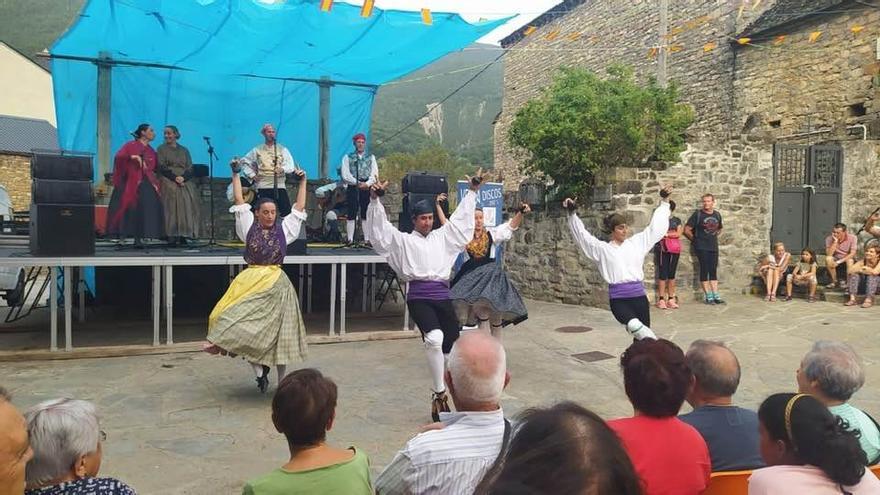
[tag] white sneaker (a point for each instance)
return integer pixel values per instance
(639, 331)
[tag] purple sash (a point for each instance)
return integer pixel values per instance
(626, 289)
(436, 290)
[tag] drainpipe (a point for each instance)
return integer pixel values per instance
(863, 127)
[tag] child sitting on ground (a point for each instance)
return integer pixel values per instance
(804, 274)
(772, 269)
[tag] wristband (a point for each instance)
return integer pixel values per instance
(476, 181)
(236, 168)
(664, 193)
(571, 207)
(380, 192)
(521, 209)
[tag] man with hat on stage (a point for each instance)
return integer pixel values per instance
(359, 172)
(267, 165)
(424, 259)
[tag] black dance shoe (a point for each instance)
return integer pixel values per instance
(263, 380)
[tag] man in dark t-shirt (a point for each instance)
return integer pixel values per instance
(703, 228)
(730, 432)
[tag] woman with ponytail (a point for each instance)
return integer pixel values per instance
(808, 450)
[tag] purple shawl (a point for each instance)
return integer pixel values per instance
(265, 246)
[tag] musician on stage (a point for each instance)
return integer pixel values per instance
(268, 165)
(135, 210)
(424, 259)
(259, 317)
(359, 172)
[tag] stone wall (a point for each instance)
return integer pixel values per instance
(861, 194)
(546, 265)
(622, 32)
(796, 86)
(15, 176)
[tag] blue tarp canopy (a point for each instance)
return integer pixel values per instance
(222, 68)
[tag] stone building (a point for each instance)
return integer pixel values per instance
(19, 136)
(785, 135)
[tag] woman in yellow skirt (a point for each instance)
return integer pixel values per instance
(259, 317)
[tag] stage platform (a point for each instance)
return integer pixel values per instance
(163, 259)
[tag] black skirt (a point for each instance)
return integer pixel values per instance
(488, 284)
(145, 219)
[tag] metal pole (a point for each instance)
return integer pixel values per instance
(157, 290)
(332, 299)
(68, 309)
(309, 306)
(342, 278)
(104, 98)
(664, 43)
(324, 127)
(53, 308)
(169, 304)
(81, 292)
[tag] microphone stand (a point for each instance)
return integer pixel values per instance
(212, 241)
(275, 170)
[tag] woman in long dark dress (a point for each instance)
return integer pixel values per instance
(135, 209)
(480, 291)
(180, 197)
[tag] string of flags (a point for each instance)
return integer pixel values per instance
(367, 10)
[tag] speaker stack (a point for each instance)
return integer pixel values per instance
(418, 186)
(62, 205)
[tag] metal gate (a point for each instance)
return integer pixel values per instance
(806, 194)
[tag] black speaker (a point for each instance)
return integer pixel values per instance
(424, 182)
(404, 221)
(62, 230)
(200, 170)
(61, 167)
(49, 191)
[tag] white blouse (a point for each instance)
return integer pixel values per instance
(417, 257)
(619, 263)
(244, 219)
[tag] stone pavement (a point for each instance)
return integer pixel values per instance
(196, 424)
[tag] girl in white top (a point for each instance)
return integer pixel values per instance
(620, 262)
(773, 268)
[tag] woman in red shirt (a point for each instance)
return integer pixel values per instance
(669, 455)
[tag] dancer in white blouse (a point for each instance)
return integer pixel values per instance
(424, 258)
(620, 262)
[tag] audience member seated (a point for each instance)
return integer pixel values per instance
(562, 449)
(872, 224)
(869, 267)
(669, 455)
(67, 441)
(840, 249)
(832, 372)
(453, 457)
(808, 451)
(730, 432)
(303, 410)
(773, 269)
(15, 451)
(804, 274)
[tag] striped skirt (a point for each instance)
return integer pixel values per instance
(259, 318)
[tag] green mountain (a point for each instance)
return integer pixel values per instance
(462, 124)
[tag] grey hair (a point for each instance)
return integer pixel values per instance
(836, 367)
(469, 385)
(713, 379)
(61, 431)
(4, 395)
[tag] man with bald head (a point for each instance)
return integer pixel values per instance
(15, 450)
(730, 432)
(453, 456)
(267, 166)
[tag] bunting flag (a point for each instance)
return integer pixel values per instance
(552, 35)
(779, 39)
(574, 36)
(367, 9)
(815, 36)
(426, 17)
(326, 5)
(675, 48)
(529, 30)
(743, 41)
(708, 47)
(652, 53)
(856, 29)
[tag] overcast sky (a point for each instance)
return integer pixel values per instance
(473, 10)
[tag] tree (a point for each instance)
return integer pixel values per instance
(583, 123)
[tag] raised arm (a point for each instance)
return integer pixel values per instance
(504, 232)
(441, 215)
(588, 243)
(383, 235)
(244, 217)
(655, 230)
